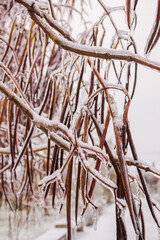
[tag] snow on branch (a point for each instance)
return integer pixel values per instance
(95, 174)
(53, 125)
(142, 165)
(98, 52)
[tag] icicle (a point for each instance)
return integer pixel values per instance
(61, 188)
(137, 190)
(101, 63)
(42, 195)
(95, 218)
(16, 224)
(10, 227)
(61, 192)
(81, 59)
(108, 170)
(63, 57)
(62, 200)
(158, 233)
(49, 135)
(85, 63)
(92, 64)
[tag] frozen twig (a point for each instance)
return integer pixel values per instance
(97, 52)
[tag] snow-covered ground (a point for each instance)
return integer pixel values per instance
(53, 234)
(106, 227)
(44, 228)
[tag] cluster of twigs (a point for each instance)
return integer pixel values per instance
(58, 104)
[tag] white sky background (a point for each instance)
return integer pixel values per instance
(144, 114)
(145, 109)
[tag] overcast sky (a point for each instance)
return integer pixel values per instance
(145, 108)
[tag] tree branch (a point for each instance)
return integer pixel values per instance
(98, 52)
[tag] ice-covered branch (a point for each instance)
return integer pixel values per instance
(143, 166)
(46, 124)
(30, 113)
(51, 125)
(57, 175)
(97, 52)
(95, 174)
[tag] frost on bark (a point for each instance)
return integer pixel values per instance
(59, 103)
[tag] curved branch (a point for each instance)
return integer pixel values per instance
(51, 125)
(98, 52)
